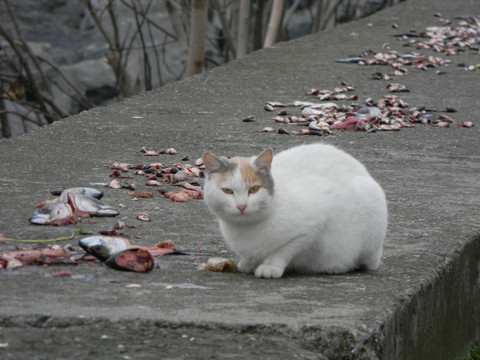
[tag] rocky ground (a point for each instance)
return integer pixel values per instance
(64, 32)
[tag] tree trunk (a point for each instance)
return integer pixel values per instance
(273, 23)
(4, 122)
(243, 26)
(196, 54)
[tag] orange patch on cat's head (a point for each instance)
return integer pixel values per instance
(248, 173)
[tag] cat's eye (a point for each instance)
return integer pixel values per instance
(227, 191)
(253, 189)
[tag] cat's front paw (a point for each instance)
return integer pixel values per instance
(268, 272)
(245, 266)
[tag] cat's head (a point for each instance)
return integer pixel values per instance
(239, 189)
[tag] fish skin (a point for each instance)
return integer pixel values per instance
(50, 213)
(89, 205)
(87, 191)
(353, 60)
(103, 247)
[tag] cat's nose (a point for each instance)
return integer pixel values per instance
(241, 208)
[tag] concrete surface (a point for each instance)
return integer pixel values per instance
(423, 303)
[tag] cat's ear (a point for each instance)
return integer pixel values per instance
(213, 164)
(264, 161)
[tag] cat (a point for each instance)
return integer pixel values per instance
(309, 209)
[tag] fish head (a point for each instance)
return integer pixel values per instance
(92, 205)
(102, 247)
(51, 212)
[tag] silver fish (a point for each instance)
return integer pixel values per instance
(365, 111)
(353, 60)
(102, 247)
(87, 191)
(87, 204)
(52, 213)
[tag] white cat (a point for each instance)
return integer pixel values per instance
(310, 209)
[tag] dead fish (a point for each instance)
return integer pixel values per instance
(121, 166)
(267, 129)
(282, 131)
(395, 87)
(131, 259)
(467, 124)
(114, 184)
(145, 152)
(128, 186)
(103, 247)
(275, 104)
(318, 125)
(283, 112)
(87, 191)
(57, 213)
(153, 183)
(366, 111)
(268, 107)
(352, 60)
(408, 35)
(308, 111)
(250, 118)
(327, 105)
(89, 205)
(143, 217)
(380, 76)
(169, 151)
(304, 103)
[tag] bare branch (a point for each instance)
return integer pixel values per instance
(144, 15)
(287, 17)
(86, 102)
(174, 10)
(225, 28)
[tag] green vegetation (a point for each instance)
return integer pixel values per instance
(474, 353)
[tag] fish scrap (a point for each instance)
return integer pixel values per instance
(118, 253)
(145, 152)
(390, 113)
(166, 177)
(38, 255)
(448, 39)
(219, 264)
(70, 207)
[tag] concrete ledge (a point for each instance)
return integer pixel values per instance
(424, 302)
